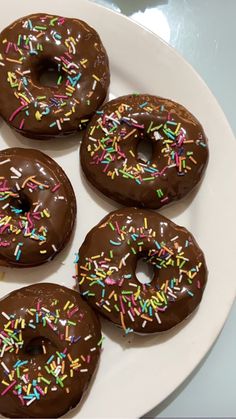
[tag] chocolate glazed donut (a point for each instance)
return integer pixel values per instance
(37, 208)
(73, 52)
(50, 344)
(110, 151)
(107, 264)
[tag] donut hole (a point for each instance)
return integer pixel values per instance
(37, 346)
(144, 150)
(21, 204)
(48, 73)
(144, 271)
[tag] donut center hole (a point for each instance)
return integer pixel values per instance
(144, 271)
(37, 346)
(49, 73)
(144, 150)
(20, 205)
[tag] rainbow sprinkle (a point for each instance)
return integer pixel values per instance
(62, 105)
(109, 282)
(111, 144)
(25, 383)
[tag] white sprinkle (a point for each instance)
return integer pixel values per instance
(144, 323)
(54, 247)
(84, 370)
(130, 315)
(17, 186)
(93, 349)
(5, 161)
(133, 285)
(5, 315)
(94, 85)
(174, 238)
(157, 135)
(16, 250)
(5, 367)
(3, 348)
(5, 206)
(58, 124)
(37, 207)
(16, 172)
(88, 337)
(61, 197)
(157, 317)
(30, 401)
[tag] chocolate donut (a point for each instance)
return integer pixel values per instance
(37, 208)
(67, 48)
(107, 271)
(110, 157)
(50, 344)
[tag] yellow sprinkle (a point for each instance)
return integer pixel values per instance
(96, 77)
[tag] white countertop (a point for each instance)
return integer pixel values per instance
(204, 32)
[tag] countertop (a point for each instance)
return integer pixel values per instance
(204, 32)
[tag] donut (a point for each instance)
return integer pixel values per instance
(107, 271)
(37, 208)
(43, 46)
(50, 344)
(110, 155)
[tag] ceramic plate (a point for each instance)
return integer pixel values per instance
(137, 373)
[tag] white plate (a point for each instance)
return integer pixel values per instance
(135, 374)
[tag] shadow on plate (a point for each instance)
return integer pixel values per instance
(29, 276)
(174, 210)
(163, 405)
(75, 412)
(133, 340)
(130, 7)
(54, 147)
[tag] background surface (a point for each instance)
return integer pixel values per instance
(204, 32)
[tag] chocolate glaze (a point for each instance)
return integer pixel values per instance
(37, 208)
(70, 46)
(107, 264)
(109, 151)
(63, 330)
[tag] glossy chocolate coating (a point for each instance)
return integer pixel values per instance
(62, 332)
(109, 151)
(37, 208)
(107, 265)
(74, 50)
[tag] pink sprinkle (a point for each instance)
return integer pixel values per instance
(110, 281)
(22, 123)
(9, 44)
(31, 225)
(133, 301)
(117, 227)
(198, 284)
(72, 312)
(61, 96)
(18, 110)
(122, 305)
(22, 400)
(88, 359)
(8, 388)
(177, 159)
(40, 390)
(56, 187)
(5, 244)
(165, 199)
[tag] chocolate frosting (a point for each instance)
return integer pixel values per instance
(50, 344)
(74, 50)
(109, 151)
(37, 208)
(107, 270)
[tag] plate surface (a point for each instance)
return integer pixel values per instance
(137, 373)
